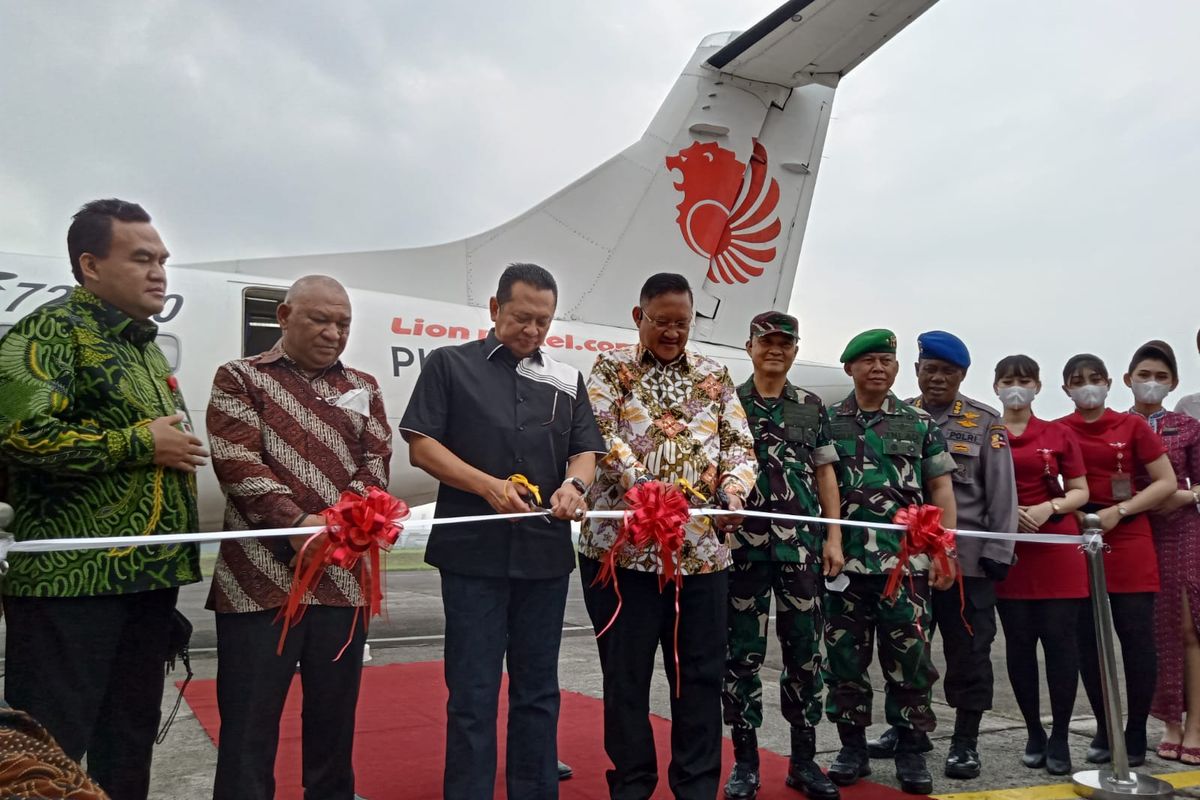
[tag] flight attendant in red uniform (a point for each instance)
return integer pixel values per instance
(1042, 597)
(1121, 453)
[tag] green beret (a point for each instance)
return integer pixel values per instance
(876, 340)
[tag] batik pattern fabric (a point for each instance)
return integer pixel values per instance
(885, 459)
(286, 445)
(791, 439)
(1177, 543)
(666, 422)
(80, 383)
(34, 767)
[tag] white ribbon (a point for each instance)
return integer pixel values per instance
(7, 545)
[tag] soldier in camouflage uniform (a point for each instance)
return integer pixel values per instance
(891, 455)
(985, 496)
(796, 476)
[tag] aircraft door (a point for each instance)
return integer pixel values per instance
(260, 328)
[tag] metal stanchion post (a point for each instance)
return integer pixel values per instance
(1118, 781)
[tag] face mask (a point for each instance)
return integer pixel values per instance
(1090, 396)
(1151, 392)
(1015, 397)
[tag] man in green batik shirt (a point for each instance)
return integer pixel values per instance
(795, 476)
(891, 455)
(94, 434)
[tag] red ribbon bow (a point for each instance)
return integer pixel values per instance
(925, 536)
(656, 515)
(356, 527)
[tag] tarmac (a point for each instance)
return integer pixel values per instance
(412, 631)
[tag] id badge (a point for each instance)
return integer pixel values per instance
(185, 424)
(1122, 486)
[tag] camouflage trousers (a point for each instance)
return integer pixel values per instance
(854, 619)
(797, 590)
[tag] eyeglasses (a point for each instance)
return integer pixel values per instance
(681, 325)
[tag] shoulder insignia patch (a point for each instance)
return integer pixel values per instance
(997, 441)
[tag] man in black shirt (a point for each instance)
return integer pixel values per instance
(481, 414)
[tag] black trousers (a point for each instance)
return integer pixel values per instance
(1133, 621)
(627, 652)
(968, 680)
(487, 621)
(91, 670)
(253, 683)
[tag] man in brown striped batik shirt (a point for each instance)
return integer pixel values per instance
(290, 429)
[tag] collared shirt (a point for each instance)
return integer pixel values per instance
(79, 384)
(503, 415)
(284, 445)
(886, 457)
(985, 486)
(666, 421)
(791, 439)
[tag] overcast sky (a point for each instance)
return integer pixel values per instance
(1022, 173)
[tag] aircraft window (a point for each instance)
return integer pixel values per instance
(260, 329)
(169, 344)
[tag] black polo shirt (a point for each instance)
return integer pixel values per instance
(502, 415)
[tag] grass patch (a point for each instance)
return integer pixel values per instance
(399, 560)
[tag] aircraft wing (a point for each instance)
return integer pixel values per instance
(815, 41)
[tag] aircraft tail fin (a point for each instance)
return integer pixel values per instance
(718, 188)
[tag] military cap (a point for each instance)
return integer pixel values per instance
(876, 340)
(774, 322)
(944, 347)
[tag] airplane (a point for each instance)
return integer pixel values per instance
(718, 188)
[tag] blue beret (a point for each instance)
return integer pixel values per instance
(944, 347)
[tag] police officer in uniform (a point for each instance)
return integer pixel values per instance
(891, 455)
(795, 476)
(985, 494)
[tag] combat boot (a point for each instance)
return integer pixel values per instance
(743, 779)
(911, 771)
(803, 772)
(963, 761)
(852, 761)
(885, 745)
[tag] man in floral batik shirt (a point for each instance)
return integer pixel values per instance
(91, 431)
(666, 414)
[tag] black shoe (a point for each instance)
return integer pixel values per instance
(803, 772)
(1035, 750)
(1135, 746)
(850, 765)
(743, 780)
(885, 745)
(564, 771)
(962, 762)
(1098, 752)
(852, 761)
(913, 774)
(1058, 757)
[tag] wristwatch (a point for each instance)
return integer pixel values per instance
(1055, 507)
(1122, 511)
(578, 483)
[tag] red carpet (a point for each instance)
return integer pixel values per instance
(398, 752)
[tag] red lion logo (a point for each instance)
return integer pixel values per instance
(714, 182)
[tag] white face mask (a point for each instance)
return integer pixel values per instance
(1150, 392)
(1014, 397)
(1089, 396)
